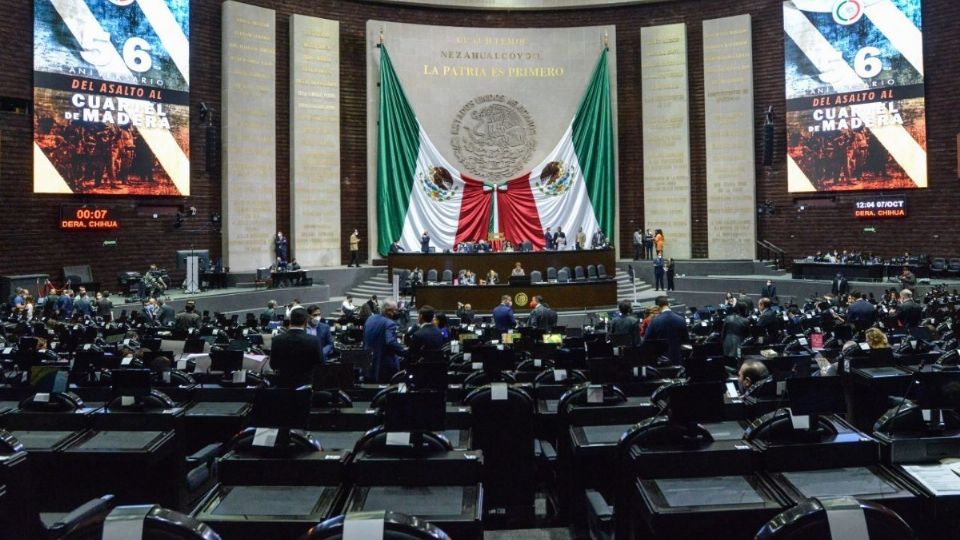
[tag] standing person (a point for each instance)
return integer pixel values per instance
(425, 242)
(907, 279)
(658, 272)
(626, 324)
(560, 240)
(354, 249)
(380, 338)
(671, 273)
(648, 244)
(281, 247)
(840, 285)
(316, 327)
(581, 239)
(669, 328)
(658, 241)
(188, 318)
(770, 291)
(548, 240)
(736, 328)
(295, 354)
(104, 306)
(503, 314)
(427, 337)
(637, 244)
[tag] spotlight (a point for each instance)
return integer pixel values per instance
(192, 210)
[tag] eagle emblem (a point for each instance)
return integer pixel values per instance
(437, 183)
(556, 179)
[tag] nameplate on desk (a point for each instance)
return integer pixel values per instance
(166, 377)
(799, 421)
(398, 438)
(181, 365)
(595, 394)
(126, 361)
(127, 401)
(498, 391)
(266, 437)
(41, 397)
(559, 375)
(537, 362)
(240, 377)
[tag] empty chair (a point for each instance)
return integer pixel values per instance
(536, 277)
(158, 523)
(526, 245)
(567, 268)
(563, 276)
(447, 276)
(810, 520)
(579, 274)
(938, 267)
(396, 526)
(432, 275)
(954, 266)
(551, 274)
(602, 272)
(591, 271)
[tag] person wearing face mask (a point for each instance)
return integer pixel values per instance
(295, 354)
(316, 327)
(380, 338)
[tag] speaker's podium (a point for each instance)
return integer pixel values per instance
(192, 260)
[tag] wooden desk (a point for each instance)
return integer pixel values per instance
(573, 295)
(502, 263)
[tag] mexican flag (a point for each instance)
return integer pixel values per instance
(573, 187)
(417, 189)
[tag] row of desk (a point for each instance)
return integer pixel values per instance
(804, 269)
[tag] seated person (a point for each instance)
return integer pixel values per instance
(347, 307)
(507, 246)
(492, 277)
(293, 265)
(482, 246)
(469, 278)
(517, 270)
(750, 373)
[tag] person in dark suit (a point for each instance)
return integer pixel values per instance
(671, 273)
(548, 240)
(380, 338)
(316, 327)
(188, 318)
(626, 324)
(909, 313)
(768, 322)
(268, 315)
(658, 272)
(840, 285)
(295, 354)
(82, 305)
(907, 279)
(769, 290)
(427, 337)
(503, 314)
(425, 242)
(541, 316)
(861, 313)
(281, 247)
(668, 327)
(735, 329)
(165, 313)
(465, 312)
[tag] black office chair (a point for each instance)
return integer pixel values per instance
(432, 275)
(953, 267)
(447, 276)
(550, 377)
(563, 276)
(536, 277)
(478, 379)
(810, 520)
(528, 370)
(396, 526)
(602, 271)
(158, 524)
(938, 267)
(376, 440)
(591, 272)
(551, 274)
(578, 273)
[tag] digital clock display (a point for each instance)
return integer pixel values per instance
(88, 218)
(880, 208)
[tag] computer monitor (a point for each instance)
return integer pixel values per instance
(815, 396)
(48, 379)
(938, 390)
(226, 360)
(238, 345)
(696, 402)
(609, 370)
(334, 376)
(415, 412)
(519, 280)
(151, 343)
(114, 339)
(194, 345)
(706, 369)
(131, 382)
(553, 338)
(203, 256)
(427, 375)
(283, 408)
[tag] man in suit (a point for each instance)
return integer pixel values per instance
(626, 324)
(669, 328)
(637, 244)
(268, 315)
(751, 372)
(648, 245)
(768, 322)
(861, 313)
(658, 272)
(541, 316)
(380, 338)
(769, 290)
(909, 313)
(354, 249)
(548, 240)
(188, 318)
(316, 327)
(427, 337)
(907, 279)
(165, 313)
(104, 306)
(82, 304)
(735, 329)
(425, 242)
(840, 285)
(503, 314)
(295, 354)
(465, 312)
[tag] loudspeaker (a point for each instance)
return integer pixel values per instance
(212, 149)
(768, 145)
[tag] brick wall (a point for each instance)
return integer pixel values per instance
(31, 241)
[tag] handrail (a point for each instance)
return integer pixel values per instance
(768, 251)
